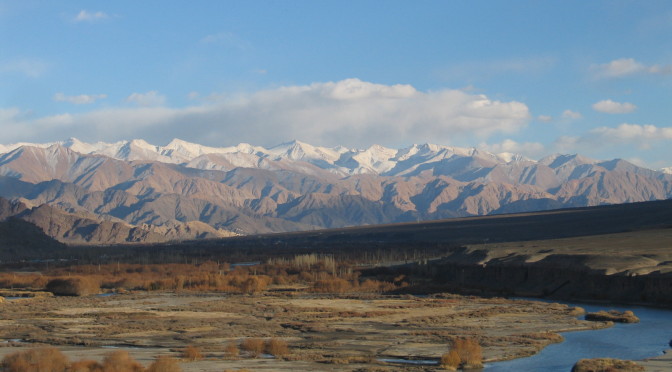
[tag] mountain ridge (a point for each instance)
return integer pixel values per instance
(293, 186)
(179, 151)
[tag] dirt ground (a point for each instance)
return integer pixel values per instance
(324, 333)
(661, 363)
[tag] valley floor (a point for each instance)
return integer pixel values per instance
(324, 332)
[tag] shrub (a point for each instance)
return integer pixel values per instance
(192, 353)
(74, 286)
(121, 361)
(470, 352)
(333, 285)
(465, 353)
(254, 346)
(450, 360)
(254, 284)
(232, 350)
(47, 359)
(277, 347)
(606, 365)
(86, 366)
(165, 364)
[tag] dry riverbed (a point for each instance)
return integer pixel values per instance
(324, 333)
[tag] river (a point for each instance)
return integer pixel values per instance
(642, 340)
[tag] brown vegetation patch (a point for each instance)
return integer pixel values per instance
(613, 316)
(50, 359)
(73, 286)
(192, 353)
(606, 365)
(254, 346)
(277, 347)
(165, 364)
(47, 359)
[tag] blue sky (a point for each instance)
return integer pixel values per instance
(532, 77)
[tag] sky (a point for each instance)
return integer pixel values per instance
(528, 77)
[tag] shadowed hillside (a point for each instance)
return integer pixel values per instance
(22, 240)
(472, 230)
(615, 253)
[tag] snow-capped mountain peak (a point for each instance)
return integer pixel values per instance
(343, 161)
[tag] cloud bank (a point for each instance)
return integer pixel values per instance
(349, 112)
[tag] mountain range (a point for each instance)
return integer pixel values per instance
(133, 191)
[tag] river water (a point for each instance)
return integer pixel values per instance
(642, 340)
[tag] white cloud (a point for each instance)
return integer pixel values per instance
(151, 98)
(228, 39)
(528, 149)
(628, 66)
(349, 112)
(9, 114)
(660, 69)
(82, 99)
(622, 139)
(479, 70)
(643, 136)
(545, 118)
(566, 144)
(86, 16)
(633, 132)
(610, 107)
(572, 115)
(637, 161)
(29, 67)
(193, 95)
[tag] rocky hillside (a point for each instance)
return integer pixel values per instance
(84, 228)
(249, 189)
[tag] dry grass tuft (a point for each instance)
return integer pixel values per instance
(277, 347)
(450, 360)
(47, 359)
(121, 361)
(254, 346)
(192, 353)
(606, 365)
(73, 286)
(86, 366)
(165, 364)
(52, 360)
(465, 353)
(232, 351)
